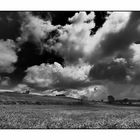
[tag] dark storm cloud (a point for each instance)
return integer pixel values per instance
(4, 81)
(9, 25)
(116, 70)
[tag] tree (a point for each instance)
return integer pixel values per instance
(102, 100)
(26, 91)
(125, 101)
(83, 99)
(111, 99)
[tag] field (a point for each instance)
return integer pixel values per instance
(68, 116)
(21, 111)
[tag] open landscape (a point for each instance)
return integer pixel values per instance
(68, 117)
(69, 69)
(63, 113)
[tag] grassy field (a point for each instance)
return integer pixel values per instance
(28, 99)
(68, 116)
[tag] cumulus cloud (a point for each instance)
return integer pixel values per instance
(7, 56)
(34, 28)
(100, 53)
(136, 55)
(115, 37)
(74, 41)
(74, 38)
(120, 30)
(54, 75)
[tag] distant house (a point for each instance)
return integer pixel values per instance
(26, 91)
(61, 95)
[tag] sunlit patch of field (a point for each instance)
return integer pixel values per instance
(68, 117)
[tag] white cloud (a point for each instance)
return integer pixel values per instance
(94, 92)
(81, 17)
(76, 42)
(75, 38)
(119, 31)
(52, 92)
(120, 60)
(7, 56)
(21, 88)
(136, 56)
(34, 28)
(53, 75)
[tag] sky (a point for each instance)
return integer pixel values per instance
(82, 54)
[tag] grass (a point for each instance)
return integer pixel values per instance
(68, 117)
(17, 98)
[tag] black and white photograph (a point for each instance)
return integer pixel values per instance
(71, 69)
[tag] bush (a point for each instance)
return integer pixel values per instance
(111, 99)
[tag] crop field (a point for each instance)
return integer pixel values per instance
(68, 117)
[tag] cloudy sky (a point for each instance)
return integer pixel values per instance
(82, 54)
